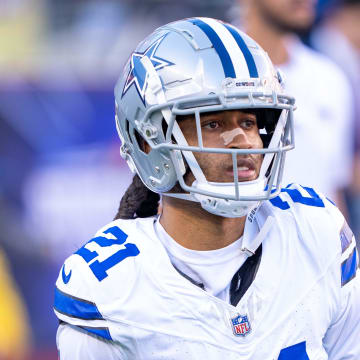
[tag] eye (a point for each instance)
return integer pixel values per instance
(211, 125)
(248, 123)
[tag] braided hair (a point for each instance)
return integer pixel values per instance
(138, 201)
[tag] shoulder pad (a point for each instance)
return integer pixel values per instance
(74, 302)
(314, 213)
(88, 277)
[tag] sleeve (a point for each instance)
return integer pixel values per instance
(76, 297)
(87, 303)
(75, 344)
(74, 302)
(342, 339)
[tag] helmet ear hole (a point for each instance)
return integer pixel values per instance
(127, 127)
(141, 143)
(165, 127)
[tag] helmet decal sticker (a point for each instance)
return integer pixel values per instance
(138, 75)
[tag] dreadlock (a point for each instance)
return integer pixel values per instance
(138, 201)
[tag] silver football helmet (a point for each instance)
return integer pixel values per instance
(190, 67)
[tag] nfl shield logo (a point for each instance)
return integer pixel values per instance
(240, 325)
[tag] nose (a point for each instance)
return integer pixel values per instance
(236, 138)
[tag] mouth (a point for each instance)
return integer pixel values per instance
(246, 170)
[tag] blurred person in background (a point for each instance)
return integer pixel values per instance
(338, 36)
(323, 122)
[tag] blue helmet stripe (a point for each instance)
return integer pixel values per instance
(245, 50)
(218, 46)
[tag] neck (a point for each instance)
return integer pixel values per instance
(194, 228)
(268, 36)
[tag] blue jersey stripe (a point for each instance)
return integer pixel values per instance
(346, 236)
(294, 352)
(75, 307)
(219, 47)
(102, 332)
(245, 50)
(348, 268)
(330, 201)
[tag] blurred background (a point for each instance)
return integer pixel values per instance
(61, 176)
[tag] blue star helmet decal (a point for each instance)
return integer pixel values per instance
(138, 75)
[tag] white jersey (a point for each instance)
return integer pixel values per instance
(304, 302)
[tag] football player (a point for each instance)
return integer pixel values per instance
(234, 266)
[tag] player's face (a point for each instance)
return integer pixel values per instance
(233, 129)
(287, 15)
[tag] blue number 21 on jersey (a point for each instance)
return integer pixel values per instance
(99, 268)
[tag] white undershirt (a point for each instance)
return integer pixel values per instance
(214, 268)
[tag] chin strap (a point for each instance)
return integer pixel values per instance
(258, 224)
(182, 196)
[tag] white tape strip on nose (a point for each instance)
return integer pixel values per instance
(229, 136)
